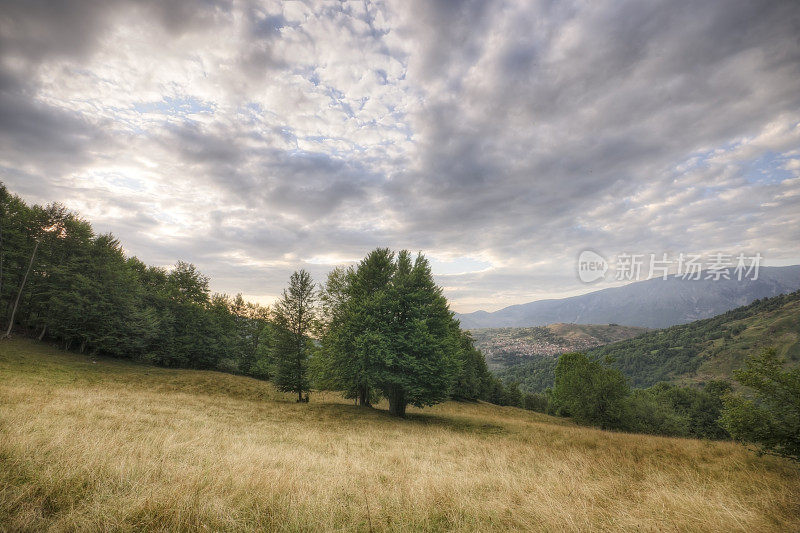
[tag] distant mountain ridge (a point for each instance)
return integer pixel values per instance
(654, 303)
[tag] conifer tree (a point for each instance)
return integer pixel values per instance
(294, 318)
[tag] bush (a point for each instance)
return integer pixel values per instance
(769, 415)
(589, 391)
(536, 402)
(262, 369)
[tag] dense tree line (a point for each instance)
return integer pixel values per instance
(764, 413)
(534, 375)
(61, 281)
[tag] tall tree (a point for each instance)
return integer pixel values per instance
(355, 326)
(369, 320)
(331, 365)
(251, 332)
(420, 364)
(294, 320)
(18, 222)
(388, 329)
(43, 222)
(473, 379)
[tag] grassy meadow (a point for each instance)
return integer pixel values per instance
(95, 444)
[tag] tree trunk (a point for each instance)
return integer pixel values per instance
(44, 330)
(363, 397)
(397, 403)
(19, 294)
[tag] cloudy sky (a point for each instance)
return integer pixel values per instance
(499, 138)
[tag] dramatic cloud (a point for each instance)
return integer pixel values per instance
(500, 138)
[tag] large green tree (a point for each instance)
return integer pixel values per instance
(356, 315)
(388, 329)
(420, 364)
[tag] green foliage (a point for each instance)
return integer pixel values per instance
(645, 413)
(536, 374)
(537, 401)
(473, 379)
(596, 394)
(589, 391)
(715, 345)
(294, 320)
(355, 326)
(85, 294)
(769, 415)
(388, 328)
(668, 409)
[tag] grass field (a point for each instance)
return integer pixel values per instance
(96, 445)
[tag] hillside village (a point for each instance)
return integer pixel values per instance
(504, 346)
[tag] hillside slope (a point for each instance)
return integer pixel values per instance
(711, 348)
(97, 444)
(507, 346)
(654, 303)
(697, 352)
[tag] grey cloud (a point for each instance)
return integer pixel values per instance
(309, 184)
(646, 84)
(36, 134)
(528, 131)
(43, 29)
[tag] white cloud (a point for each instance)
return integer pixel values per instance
(501, 138)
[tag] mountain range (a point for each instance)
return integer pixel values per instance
(698, 352)
(654, 303)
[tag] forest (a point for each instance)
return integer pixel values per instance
(62, 283)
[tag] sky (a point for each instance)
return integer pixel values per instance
(499, 138)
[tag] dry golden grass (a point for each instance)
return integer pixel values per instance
(116, 446)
